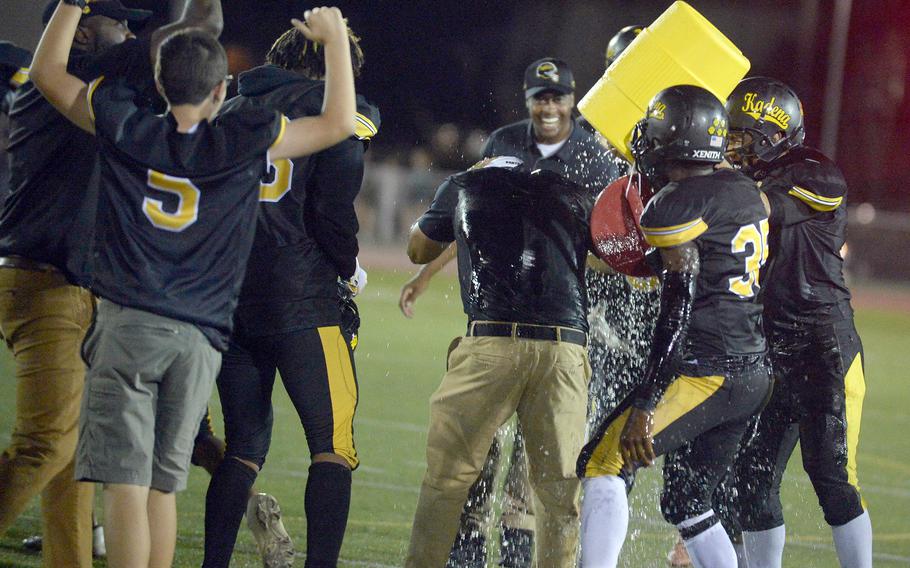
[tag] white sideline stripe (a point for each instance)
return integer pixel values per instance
(392, 425)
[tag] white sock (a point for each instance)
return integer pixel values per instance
(853, 542)
(765, 549)
(710, 548)
(604, 521)
(740, 549)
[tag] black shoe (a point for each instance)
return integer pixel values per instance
(516, 548)
(32, 543)
(469, 551)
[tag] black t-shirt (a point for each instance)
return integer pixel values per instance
(803, 282)
(723, 214)
(581, 159)
(306, 235)
(177, 212)
(49, 215)
(523, 239)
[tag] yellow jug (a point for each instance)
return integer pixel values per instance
(681, 47)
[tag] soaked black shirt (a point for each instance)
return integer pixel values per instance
(50, 213)
(306, 231)
(177, 211)
(804, 279)
(523, 239)
(581, 159)
(723, 214)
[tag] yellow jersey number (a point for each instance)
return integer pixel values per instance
(187, 202)
(755, 235)
(273, 192)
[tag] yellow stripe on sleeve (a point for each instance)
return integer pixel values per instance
(664, 237)
(814, 200)
(20, 77)
(281, 131)
(92, 87)
(365, 129)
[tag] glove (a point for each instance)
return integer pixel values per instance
(358, 281)
(350, 315)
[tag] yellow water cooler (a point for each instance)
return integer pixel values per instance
(681, 47)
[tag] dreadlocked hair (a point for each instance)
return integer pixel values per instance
(294, 52)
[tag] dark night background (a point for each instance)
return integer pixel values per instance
(461, 62)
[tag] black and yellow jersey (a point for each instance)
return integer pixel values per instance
(177, 211)
(723, 215)
(306, 235)
(804, 280)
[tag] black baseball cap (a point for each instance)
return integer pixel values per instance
(113, 9)
(549, 74)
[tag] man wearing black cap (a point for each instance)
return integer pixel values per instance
(45, 231)
(549, 138)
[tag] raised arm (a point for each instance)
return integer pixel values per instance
(66, 92)
(205, 14)
(311, 134)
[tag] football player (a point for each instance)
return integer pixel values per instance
(178, 200)
(288, 318)
(816, 353)
(705, 375)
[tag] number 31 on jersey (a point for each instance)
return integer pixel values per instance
(756, 236)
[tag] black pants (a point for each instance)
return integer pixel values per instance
(698, 424)
(817, 400)
(317, 369)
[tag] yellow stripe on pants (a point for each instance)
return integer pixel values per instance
(342, 390)
(855, 391)
(683, 395)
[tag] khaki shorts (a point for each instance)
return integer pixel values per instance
(148, 382)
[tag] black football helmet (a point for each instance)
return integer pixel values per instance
(762, 107)
(684, 123)
(620, 41)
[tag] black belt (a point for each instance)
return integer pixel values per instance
(527, 331)
(23, 263)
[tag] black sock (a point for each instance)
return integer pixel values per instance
(225, 504)
(327, 500)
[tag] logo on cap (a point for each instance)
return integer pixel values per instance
(548, 71)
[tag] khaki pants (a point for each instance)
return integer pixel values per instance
(488, 380)
(43, 320)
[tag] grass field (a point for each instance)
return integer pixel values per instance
(400, 363)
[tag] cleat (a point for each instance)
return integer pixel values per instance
(32, 543)
(679, 556)
(263, 517)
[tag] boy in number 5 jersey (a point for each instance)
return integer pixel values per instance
(176, 223)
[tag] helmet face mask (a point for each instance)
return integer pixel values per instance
(768, 118)
(685, 125)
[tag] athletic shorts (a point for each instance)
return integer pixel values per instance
(148, 380)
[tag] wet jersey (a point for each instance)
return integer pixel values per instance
(581, 158)
(523, 239)
(804, 279)
(723, 215)
(306, 234)
(50, 213)
(177, 210)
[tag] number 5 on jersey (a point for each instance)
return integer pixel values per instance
(187, 202)
(755, 235)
